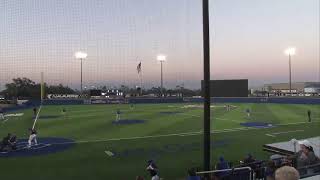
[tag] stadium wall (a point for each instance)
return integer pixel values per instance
(280, 100)
(156, 100)
(33, 103)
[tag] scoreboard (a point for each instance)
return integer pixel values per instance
(228, 88)
(95, 92)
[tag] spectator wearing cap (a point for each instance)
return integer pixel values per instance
(287, 173)
(249, 159)
(139, 178)
(221, 165)
(192, 175)
(270, 170)
(305, 156)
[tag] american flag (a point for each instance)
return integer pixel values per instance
(139, 68)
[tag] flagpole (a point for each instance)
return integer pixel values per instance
(141, 82)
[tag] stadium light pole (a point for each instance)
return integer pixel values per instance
(81, 55)
(291, 51)
(161, 59)
(206, 86)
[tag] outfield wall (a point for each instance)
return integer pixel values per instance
(282, 100)
(155, 100)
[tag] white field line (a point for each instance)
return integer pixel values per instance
(109, 153)
(229, 120)
(286, 132)
(270, 135)
(224, 119)
(5, 120)
(159, 136)
(184, 114)
(195, 133)
(302, 122)
(42, 146)
(37, 116)
(14, 115)
(282, 132)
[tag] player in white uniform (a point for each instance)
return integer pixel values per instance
(32, 137)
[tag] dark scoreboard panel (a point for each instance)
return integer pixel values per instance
(95, 92)
(228, 88)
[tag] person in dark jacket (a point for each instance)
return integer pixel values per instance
(5, 142)
(222, 165)
(192, 175)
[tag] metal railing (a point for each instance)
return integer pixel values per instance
(235, 172)
(309, 171)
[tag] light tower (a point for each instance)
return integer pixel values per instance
(81, 55)
(291, 51)
(161, 59)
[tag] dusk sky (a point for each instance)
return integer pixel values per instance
(248, 39)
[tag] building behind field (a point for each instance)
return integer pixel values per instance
(297, 88)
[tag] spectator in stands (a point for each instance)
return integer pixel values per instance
(13, 142)
(5, 142)
(305, 156)
(287, 173)
(192, 175)
(153, 170)
(249, 159)
(222, 164)
(139, 178)
(270, 170)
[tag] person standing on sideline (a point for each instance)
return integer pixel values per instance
(309, 115)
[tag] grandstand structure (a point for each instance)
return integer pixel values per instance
(298, 88)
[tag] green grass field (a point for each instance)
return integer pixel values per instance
(173, 140)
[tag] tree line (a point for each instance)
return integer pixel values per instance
(25, 88)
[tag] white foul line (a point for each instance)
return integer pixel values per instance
(163, 135)
(195, 133)
(35, 120)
